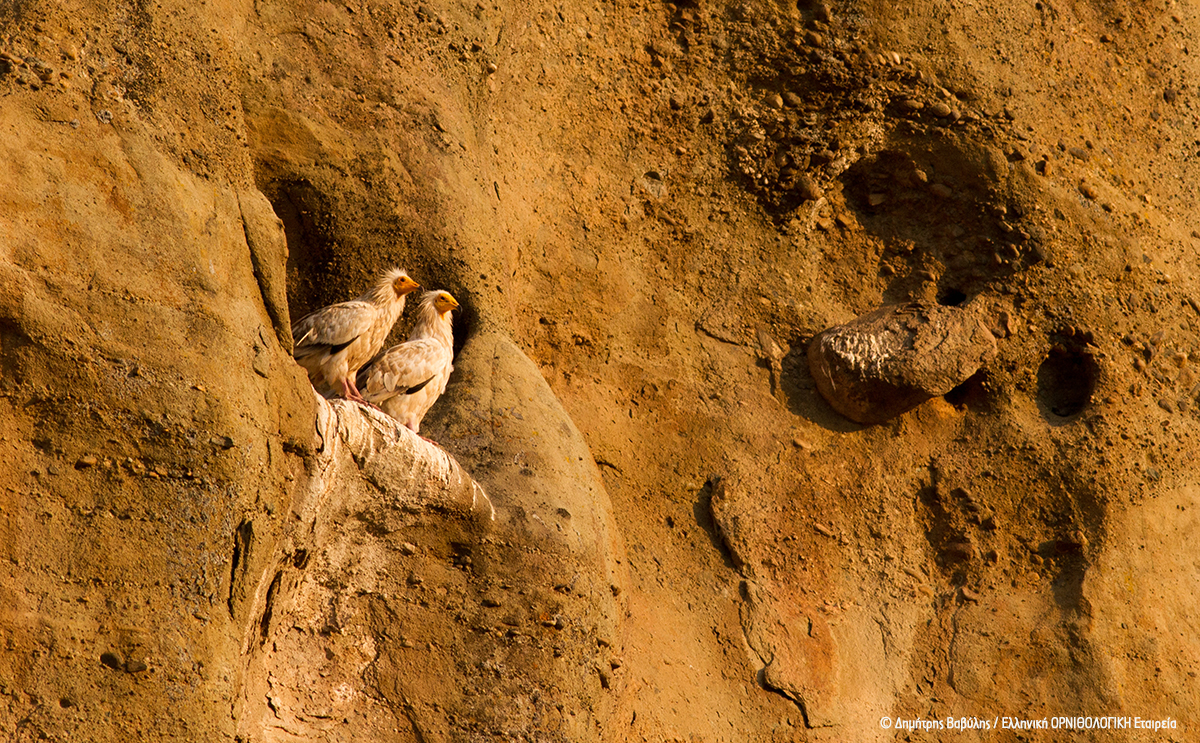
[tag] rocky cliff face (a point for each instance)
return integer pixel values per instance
(651, 525)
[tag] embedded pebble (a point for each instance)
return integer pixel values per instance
(1007, 325)
(807, 187)
(408, 548)
(942, 190)
(821, 157)
(911, 105)
(112, 660)
(940, 110)
(1088, 190)
(87, 460)
(959, 551)
(792, 100)
(775, 101)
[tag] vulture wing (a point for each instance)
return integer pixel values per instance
(332, 328)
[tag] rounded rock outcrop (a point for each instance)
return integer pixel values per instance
(891, 360)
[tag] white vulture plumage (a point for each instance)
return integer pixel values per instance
(407, 379)
(334, 342)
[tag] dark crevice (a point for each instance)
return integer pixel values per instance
(702, 511)
(761, 678)
(264, 626)
(238, 563)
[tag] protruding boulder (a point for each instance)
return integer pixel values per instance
(889, 361)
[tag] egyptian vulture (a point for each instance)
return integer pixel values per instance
(406, 379)
(334, 342)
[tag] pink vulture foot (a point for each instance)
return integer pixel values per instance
(350, 392)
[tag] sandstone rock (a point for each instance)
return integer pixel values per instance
(160, 281)
(891, 360)
(136, 266)
(554, 538)
(330, 571)
(833, 670)
(800, 652)
(268, 256)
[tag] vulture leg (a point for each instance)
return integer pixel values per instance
(349, 391)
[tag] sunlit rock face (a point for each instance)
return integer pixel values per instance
(649, 213)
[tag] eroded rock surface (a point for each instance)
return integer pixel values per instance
(402, 599)
(555, 566)
(360, 618)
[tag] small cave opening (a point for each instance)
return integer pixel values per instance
(972, 393)
(313, 276)
(951, 297)
(1066, 381)
(463, 319)
(341, 239)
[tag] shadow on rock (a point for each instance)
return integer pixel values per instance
(804, 400)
